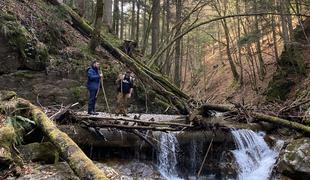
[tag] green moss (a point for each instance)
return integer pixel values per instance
(34, 54)
(7, 95)
(24, 74)
(291, 66)
(79, 93)
(279, 87)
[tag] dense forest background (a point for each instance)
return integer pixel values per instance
(210, 49)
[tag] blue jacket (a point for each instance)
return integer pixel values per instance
(93, 80)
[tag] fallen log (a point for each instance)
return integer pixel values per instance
(158, 83)
(126, 127)
(98, 118)
(75, 157)
(259, 116)
(125, 139)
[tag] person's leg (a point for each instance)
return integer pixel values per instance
(95, 99)
(125, 103)
(118, 103)
(91, 100)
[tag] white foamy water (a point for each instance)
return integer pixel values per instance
(167, 157)
(254, 157)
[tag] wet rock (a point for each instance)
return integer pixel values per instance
(43, 152)
(295, 159)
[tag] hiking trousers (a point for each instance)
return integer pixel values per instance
(92, 100)
(122, 103)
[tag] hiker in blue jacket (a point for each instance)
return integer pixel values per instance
(93, 86)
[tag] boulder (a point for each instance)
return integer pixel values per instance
(295, 159)
(8, 58)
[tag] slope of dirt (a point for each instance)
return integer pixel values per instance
(219, 86)
(63, 77)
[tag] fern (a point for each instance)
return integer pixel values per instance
(20, 125)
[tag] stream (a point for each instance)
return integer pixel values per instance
(252, 159)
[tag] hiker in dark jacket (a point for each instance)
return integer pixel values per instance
(93, 85)
(125, 90)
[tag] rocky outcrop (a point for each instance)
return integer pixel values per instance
(295, 159)
(39, 152)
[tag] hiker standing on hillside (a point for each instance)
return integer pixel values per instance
(125, 89)
(93, 85)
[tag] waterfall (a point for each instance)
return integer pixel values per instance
(167, 157)
(255, 159)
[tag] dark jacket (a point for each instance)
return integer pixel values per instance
(126, 83)
(93, 80)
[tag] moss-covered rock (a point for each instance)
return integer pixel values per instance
(279, 87)
(7, 138)
(7, 95)
(33, 54)
(295, 160)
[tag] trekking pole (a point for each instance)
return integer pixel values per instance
(105, 97)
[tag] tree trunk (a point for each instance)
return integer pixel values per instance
(133, 21)
(258, 46)
(116, 17)
(81, 7)
(122, 20)
(259, 116)
(146, 35)
(138, 22)
(230, 60)
(274, 36)
(107, 14)
(98, 23)
(238, 46)
(177, 60)
(155, 26)
(75, 157)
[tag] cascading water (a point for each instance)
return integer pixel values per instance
(167, 157)
(255, 159)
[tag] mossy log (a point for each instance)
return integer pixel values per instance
(260, 117)
(7, 138)
(158, 83)
(75, 157)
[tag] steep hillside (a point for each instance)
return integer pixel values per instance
(44, 59)
(218, 85)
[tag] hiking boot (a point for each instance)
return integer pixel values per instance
(93, 113)
(125, 115)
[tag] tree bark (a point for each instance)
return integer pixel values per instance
(98, 23)
(133, 21)
(177, 60)
(155, 26)
(107, 14)
(122, 20)
(116, 17)
(138, 22)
